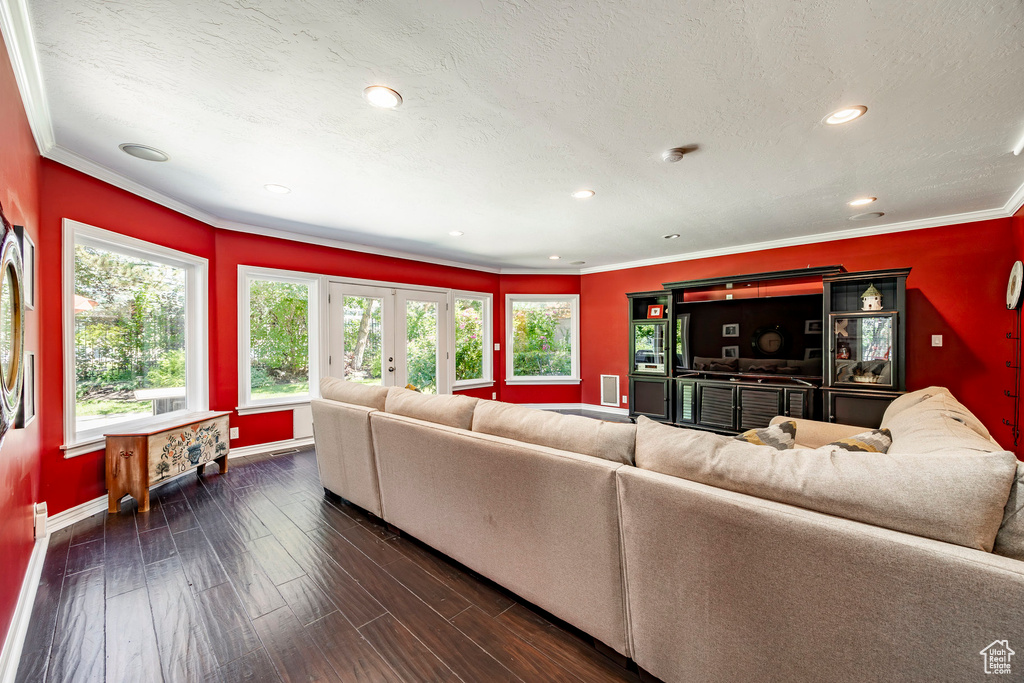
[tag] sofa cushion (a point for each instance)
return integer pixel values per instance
(871, 441)
(1010, 540)
(715, 364)
(937, 398)
(452, 410)
(954, 499)
(608, 440)
(781, 435)
(371, 396)
(937, 424)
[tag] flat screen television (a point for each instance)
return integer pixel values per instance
(759, 336)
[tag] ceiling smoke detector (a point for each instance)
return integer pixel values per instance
(677, 153)
(144, 152)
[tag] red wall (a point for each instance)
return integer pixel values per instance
(956, 289)
(19, 456)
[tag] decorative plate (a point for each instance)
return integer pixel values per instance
(1013, 285)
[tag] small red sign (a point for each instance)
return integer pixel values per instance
(656, 311)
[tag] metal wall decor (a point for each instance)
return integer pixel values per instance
(12, 326)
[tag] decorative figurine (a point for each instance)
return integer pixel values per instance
(871, 300)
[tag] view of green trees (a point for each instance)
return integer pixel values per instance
(279, 339)
(541, 338)
(129, 331)
(469, 339)
(363, 339)
(421, 345)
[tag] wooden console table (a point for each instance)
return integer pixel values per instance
(138, 460)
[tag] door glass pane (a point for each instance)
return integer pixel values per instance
(278, 340)
(649, 347)
(421, 345)
(363, 345)
(129, 337)
(469, 339)
(863, 346)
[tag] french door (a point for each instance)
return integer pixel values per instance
(389, 336)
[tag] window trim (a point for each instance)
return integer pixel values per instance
(197, 375)
(246, 274)
(488, 342)
(574, 377)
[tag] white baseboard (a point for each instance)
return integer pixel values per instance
(76, 514)
(10, 657)
(577, 406)
(261, 448)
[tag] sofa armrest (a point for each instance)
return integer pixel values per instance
(814, 434)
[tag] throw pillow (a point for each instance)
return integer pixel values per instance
(871, 441)
(781, 436)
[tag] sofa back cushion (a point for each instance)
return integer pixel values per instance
(935, 424)
(932, 400)
(575, 433)
(354, 393)
(452, 410)
(957, 499)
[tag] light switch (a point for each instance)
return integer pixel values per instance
(233, 432)
(497, 347)
(936, 340)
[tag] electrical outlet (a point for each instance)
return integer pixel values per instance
(936, 340)
(497, 347)
(234, 432)
(625, 399)
(494, 395)
(728, 296)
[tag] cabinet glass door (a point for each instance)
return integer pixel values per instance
(649, 341)
(862, 348)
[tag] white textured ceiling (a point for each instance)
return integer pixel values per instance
(511, 105)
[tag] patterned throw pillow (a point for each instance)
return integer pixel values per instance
(780, 437)
(871, 441)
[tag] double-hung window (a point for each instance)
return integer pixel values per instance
(278, 337)
(473, 323)
(542, 345)
(135, 335)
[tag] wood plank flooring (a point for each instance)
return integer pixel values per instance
(258, 576)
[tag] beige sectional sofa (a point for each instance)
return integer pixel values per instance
(709, 559)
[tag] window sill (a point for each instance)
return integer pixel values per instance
(90, 441)
(472, 384)
(543, 380)
(271, 407)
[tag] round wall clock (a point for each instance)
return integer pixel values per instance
(1013, 286)
(769, 341)
(12, 327)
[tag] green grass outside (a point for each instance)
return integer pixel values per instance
(280, 390)
(100, 406)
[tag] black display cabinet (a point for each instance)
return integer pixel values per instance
(650, 361)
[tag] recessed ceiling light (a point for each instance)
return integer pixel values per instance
(276, 189)
(582, 194)
(576, 263)
(867, 216)
(845, 115)
(456, 233)
(554, 258)
(381, 96)
(672, 236)
(862, 201)
(1019, 148)
(143, 152)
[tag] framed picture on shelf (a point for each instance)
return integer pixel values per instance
(812, 354)
(731, 330)
(27, 410)
(28, 265)
(730, 352)
(656, 311)
(813, 327)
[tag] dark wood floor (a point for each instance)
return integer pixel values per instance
(257, 576)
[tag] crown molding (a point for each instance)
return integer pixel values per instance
(1015, 201)
(885, 229)
(21, 48)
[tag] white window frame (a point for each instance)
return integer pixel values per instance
(246, 275)
(574, 301)
(488, 349)
(197, 375)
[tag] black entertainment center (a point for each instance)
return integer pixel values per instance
(728, 354)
